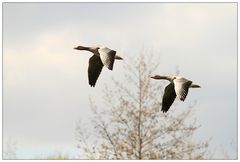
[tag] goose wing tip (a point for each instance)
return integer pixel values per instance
(182, 99)
(165, 109)
(92, 85)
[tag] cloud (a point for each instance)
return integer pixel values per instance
(45, 80)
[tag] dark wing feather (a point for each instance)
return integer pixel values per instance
(94, 69)
(168, 97)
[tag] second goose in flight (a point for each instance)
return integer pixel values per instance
(103, 56)
(178, 87)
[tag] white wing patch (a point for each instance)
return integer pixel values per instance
(181, 86)
(107, 56)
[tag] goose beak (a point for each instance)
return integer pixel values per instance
(118, 57)
(153, 77)
(75, 48)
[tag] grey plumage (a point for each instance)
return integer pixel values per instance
(107, 56)
(181, 87)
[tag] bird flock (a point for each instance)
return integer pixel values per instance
(103, 56)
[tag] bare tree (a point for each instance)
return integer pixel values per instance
(130, 126)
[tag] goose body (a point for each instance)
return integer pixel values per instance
(178, 87)
(102, 56)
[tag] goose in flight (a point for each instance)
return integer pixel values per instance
(178, 87)
(102, 56)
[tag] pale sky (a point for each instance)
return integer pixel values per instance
(45, 86)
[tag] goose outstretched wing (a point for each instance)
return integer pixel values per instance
(107, 56)
(181, 86)
(94, 69)
(168, 97)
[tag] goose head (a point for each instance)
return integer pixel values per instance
(156, 77)
(80, 48)
(91, 49)
(170, 78)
